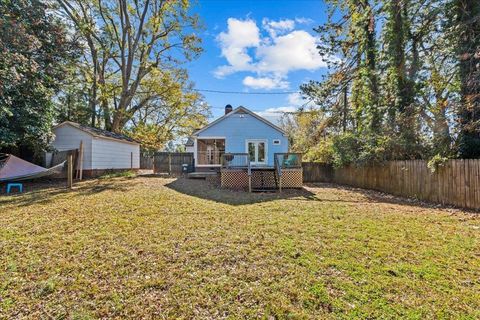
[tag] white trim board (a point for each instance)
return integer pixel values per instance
(265, 141)
(195, 150)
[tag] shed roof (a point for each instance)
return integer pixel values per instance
(99, 133)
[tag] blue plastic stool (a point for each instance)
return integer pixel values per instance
(14, 185)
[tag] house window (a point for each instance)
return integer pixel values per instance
(276, 142)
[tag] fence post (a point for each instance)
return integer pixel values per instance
(80, 161)
(169, 163)
(70, 170)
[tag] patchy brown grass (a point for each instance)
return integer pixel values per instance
(164, 248)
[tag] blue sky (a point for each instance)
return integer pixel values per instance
(257, 46)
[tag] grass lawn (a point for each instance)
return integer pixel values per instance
(161, 248)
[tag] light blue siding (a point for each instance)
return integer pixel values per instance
(237, 128)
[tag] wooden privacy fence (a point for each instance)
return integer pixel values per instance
(317, 172)
(456, 182)
(146, 162)
(171, 162)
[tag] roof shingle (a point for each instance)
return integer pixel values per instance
(100, 132)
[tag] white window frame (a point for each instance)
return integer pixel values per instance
(195, 154)
(265, 141)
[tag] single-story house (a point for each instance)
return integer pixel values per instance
(102, 150)
(239, 130)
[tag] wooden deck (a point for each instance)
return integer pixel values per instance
(237, 172)
(261, 179)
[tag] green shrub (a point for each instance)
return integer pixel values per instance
(436, 161)
(322, 152)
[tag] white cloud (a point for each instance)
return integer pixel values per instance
(274, 115)
(304, 20)
(294, 102)
(241, 35)
(296, 50)
(279, 110)
(265, 83)
(270, 54)
(277, 27)
(295, 99)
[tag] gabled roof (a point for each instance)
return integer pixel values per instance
(99, 133)
(240, 110)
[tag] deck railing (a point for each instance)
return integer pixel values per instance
(235, 160)
(288, 160)
(278, 171)
(238, 161)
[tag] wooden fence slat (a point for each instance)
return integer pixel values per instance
(471, 181)
(453, 183)
(171, 162)
(477, 184)
(471, 171)
(466, 183)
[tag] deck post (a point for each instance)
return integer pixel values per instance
(249, 183)
(280, 183)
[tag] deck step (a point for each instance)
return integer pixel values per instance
(201, 175)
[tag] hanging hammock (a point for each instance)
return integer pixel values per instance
(14, 169)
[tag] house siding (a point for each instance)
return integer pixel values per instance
(98, 153)
(68, 138)
(238, 128)
(111, 154)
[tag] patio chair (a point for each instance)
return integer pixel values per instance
(291, 161)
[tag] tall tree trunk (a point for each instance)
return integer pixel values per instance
(120, 117)
(92, 98)
(94, 87)
(365, 92)
(468, 24)
(345, 109)
(402, 108)
(371, 51)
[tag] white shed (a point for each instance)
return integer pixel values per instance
(102, 150)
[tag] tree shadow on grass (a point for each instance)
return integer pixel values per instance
(368, 196)
(202, 189)
(45, 191)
